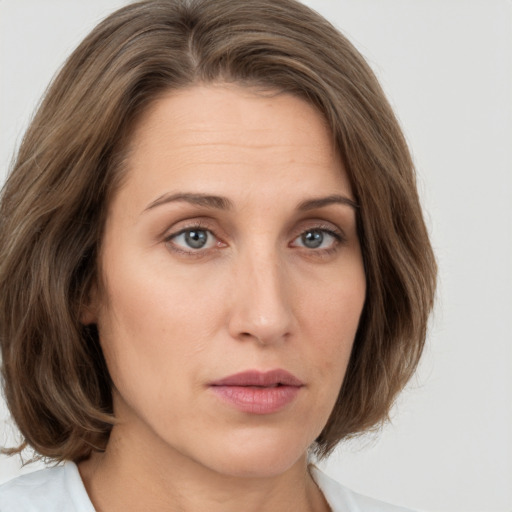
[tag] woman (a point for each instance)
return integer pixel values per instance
(214, 264)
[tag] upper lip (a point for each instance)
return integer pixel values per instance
(261, 379)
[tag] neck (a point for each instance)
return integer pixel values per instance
(130, 479)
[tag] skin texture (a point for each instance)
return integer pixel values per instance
(172, 318)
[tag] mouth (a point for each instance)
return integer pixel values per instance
(255, 378)
(258, 392)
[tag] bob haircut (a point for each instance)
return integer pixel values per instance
(71, 162)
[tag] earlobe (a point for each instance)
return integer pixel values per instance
(89, 308)
(87, 315)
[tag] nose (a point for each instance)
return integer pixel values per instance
(261, 307)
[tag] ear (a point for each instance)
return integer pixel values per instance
(89, 307)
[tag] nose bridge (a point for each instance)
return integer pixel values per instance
(261, 307)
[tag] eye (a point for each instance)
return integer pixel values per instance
(193, 239)
(317, 239)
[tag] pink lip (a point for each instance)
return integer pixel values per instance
(258, 392)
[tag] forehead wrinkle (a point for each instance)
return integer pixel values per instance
(193, 154)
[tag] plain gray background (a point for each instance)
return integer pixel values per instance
(446, 66)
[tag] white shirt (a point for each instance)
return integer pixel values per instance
(60, 489)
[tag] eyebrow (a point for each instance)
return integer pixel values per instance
(223, 203)
(320, 202)
(208, 201)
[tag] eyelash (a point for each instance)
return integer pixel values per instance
(339, 239)
(198, 226)
(338, 236)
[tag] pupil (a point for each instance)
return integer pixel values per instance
(313, 239)
(196, 239)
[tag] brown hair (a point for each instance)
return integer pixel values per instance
(52, 210)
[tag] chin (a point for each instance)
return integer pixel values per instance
(258, 457)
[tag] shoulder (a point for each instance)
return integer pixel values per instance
(57, 489)
(341, 499)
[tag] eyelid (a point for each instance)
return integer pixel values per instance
(335, 236)
(327, 227)
(321, 225)
(174, 234)
(181, 226)
(206, 225)
(190, 225)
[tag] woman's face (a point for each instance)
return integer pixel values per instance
(231, 247)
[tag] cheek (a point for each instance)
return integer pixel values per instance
(155, 317)
(331, 318)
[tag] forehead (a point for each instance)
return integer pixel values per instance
(231, 135)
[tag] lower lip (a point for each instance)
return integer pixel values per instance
(257, 400)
